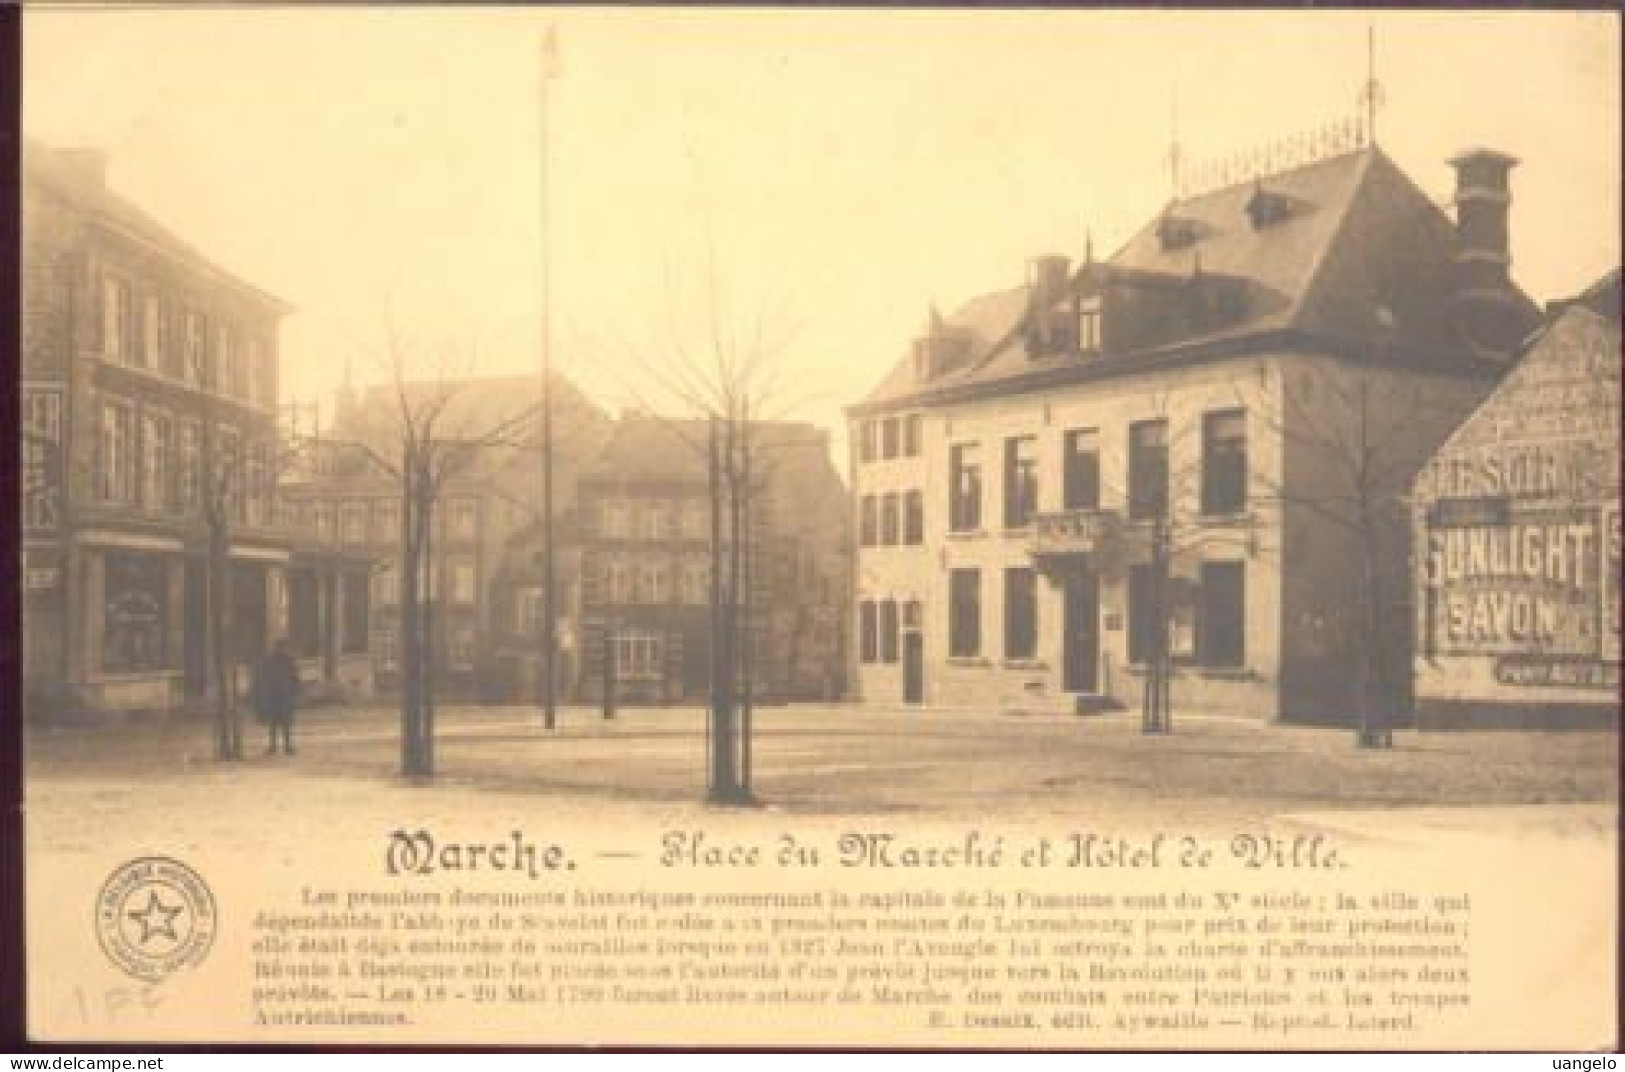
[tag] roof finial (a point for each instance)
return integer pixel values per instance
(1176, 152)
(1088, 246)
(1371, 92)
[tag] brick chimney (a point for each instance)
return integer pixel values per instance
(1486, 302)
(1483, 203)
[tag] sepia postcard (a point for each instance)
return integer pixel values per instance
(964, 529)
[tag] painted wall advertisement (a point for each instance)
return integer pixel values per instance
(1535, 586)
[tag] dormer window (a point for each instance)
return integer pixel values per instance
(1267, 208)
(1089, 327)
(1175, 232)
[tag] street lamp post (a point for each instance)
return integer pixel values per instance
(547, 70)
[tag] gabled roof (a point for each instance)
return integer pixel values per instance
(1357, 237)
(1566, 381)
(63, 172)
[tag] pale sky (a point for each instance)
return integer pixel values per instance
(847, 168)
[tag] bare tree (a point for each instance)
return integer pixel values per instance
(731, 381)
(424, 442)
(232, 480)
(1356, 434)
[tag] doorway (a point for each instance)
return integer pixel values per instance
(913, 667)
(1080, 632)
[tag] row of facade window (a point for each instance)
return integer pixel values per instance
(653, 519)
(148, 458)
(891, 519)
(1222, 480)
(653, 581)
(365, 521)
(457, 579)
(1216, 614)
(889, 437)
(148, 332)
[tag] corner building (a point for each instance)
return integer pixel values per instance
(1010, 472)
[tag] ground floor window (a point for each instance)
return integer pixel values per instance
(135, 618)
(888, 631)
(1020, 613)
(1222, 624)
(964, 613)
(637, 655)
(868, 632)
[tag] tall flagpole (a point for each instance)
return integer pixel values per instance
(549, 663)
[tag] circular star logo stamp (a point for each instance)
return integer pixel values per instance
(155, 916)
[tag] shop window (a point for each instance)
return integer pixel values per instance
(135, 622)
(1224, 462)
(1148, 469)
(1081, 466)
(638, 655)
(1020, 613)
(965, 613)
(1020, 481)
(357, 614)
(965, 488)
(1222, 624)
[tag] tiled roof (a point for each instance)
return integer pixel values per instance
(1357, 237)
(54, 169)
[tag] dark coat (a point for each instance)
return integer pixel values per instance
(275, 691)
